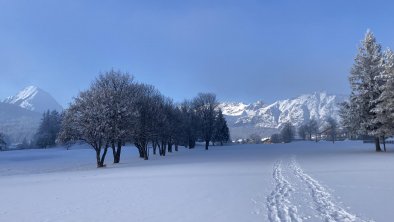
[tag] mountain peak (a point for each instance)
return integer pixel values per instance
(35, 99)
(27, 92)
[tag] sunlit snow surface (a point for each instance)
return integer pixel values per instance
(301, 181)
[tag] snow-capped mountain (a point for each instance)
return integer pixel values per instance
(34, 99)
(20, 115)
(265, 119)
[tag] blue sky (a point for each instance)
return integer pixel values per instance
(241, 50)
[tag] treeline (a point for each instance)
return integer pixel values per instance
(46, 135)
(286, 134)
(116, 110)
(48, 130)
(311, 130)
(370, 108)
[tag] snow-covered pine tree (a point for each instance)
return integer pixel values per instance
(365, 87)
(384, 109)
(48, 129)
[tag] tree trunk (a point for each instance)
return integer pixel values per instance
(98, 151)
(163, 148)
(103, 156)
(333, 138)
(206, 144)
(384, 143)
(169, 147)
(377, 145)
(158, 145)
(113, 150)
(176, 147)
(192, 143)
(221, 143)
(140, 150)
(146, 151)
(118, 152)
(154, 147)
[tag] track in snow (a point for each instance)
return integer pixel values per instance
(322, 198)
(278, 204)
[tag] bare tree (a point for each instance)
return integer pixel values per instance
(276, 138)
(302, 131)
(205, 105)
(120, 95)
(332, 127)
(287, 132)
(85, 120)
(312, 128)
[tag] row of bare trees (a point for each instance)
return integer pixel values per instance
(116, 110)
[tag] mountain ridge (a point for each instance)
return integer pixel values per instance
(266, 119)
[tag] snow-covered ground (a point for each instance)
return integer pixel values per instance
(301, 181)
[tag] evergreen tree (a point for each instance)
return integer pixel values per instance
(48, 129)
(384, 109)
(365, 87)
(221, 132)
(349, 121)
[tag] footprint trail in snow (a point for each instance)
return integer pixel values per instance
(330, 211)
(279, 206)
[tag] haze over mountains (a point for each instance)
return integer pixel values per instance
(20, 115)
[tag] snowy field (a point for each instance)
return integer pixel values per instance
(301, 181)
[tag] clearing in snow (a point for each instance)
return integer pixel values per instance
(300, 181)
